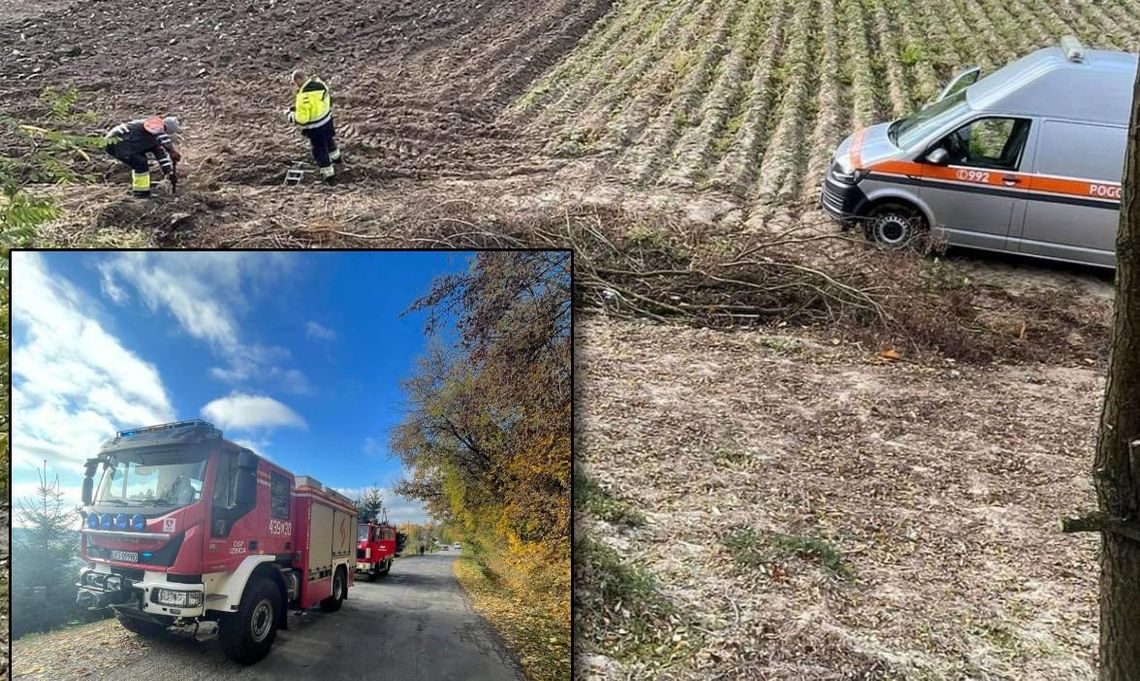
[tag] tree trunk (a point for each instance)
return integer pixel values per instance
(1116, 471)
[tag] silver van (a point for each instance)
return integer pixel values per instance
(1026, 160)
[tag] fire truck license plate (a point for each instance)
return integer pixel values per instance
(130, 556)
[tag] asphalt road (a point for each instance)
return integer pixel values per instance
(414, 624)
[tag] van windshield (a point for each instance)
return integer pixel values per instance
(906, 132)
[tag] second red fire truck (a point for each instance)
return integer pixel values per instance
(188, 533)
(375, 548)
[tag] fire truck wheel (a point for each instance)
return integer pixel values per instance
(332, 603)
(246, 635)
(387, 568)
(141, 627)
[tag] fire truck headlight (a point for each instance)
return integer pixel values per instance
(138, 523)
(114, 582)
(92, 521)
(121, 521)
(105, 521)
(185, 599)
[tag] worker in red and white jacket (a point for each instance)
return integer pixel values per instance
(131, 142)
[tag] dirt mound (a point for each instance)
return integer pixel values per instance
(169, 220)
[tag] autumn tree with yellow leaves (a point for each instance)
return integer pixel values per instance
(486, 433)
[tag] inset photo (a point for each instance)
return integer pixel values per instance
(291, 464)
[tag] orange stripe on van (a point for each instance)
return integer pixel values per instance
(1028, 182)
(857, 149)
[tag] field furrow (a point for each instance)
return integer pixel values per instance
(669, 119)
(1012, 34)
(664, 83)
(1126, 20)
(885, 60)
(962, 31)
(857, 64)
(696, 144)
(649, 64)
(916, 50)
(997, 48)
(741, 144)
(1106, 31)
(1055, 26)
(777, 184)
(746, 136)
(1080, 26)
(832, 118)
(561, 93)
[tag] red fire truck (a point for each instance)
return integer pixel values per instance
(375, 548)
(187, 533)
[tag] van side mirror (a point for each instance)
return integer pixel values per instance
(961, 81)
(938, 157)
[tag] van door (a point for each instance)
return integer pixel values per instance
(1074, 201)
(978, 191)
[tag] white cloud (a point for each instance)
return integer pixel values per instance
(400, 510)
(315, 330)
(371, 446)
(206, 293)
(74, 383)
(241, 411)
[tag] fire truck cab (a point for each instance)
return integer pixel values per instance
(187, 533)
(375, 549)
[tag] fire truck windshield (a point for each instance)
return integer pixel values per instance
(162, 480)
(361, 533)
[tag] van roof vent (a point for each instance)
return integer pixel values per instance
(1073, 49)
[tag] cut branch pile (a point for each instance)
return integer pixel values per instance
(666, 270)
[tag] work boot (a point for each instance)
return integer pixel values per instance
(330, 180)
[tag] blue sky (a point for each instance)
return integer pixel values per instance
(297, 355)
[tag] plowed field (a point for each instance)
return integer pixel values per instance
(749, 97)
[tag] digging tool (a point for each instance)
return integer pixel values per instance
(174, 181)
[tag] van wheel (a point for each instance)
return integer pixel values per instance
(332, 603)
(892, 226)
(247, 635)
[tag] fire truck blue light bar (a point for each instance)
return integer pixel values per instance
(193, 423)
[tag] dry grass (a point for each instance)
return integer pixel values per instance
(938, 488)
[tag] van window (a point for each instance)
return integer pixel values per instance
(987, 143)
(1093, 152)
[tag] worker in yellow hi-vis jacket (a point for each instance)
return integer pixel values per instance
(312, 111)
